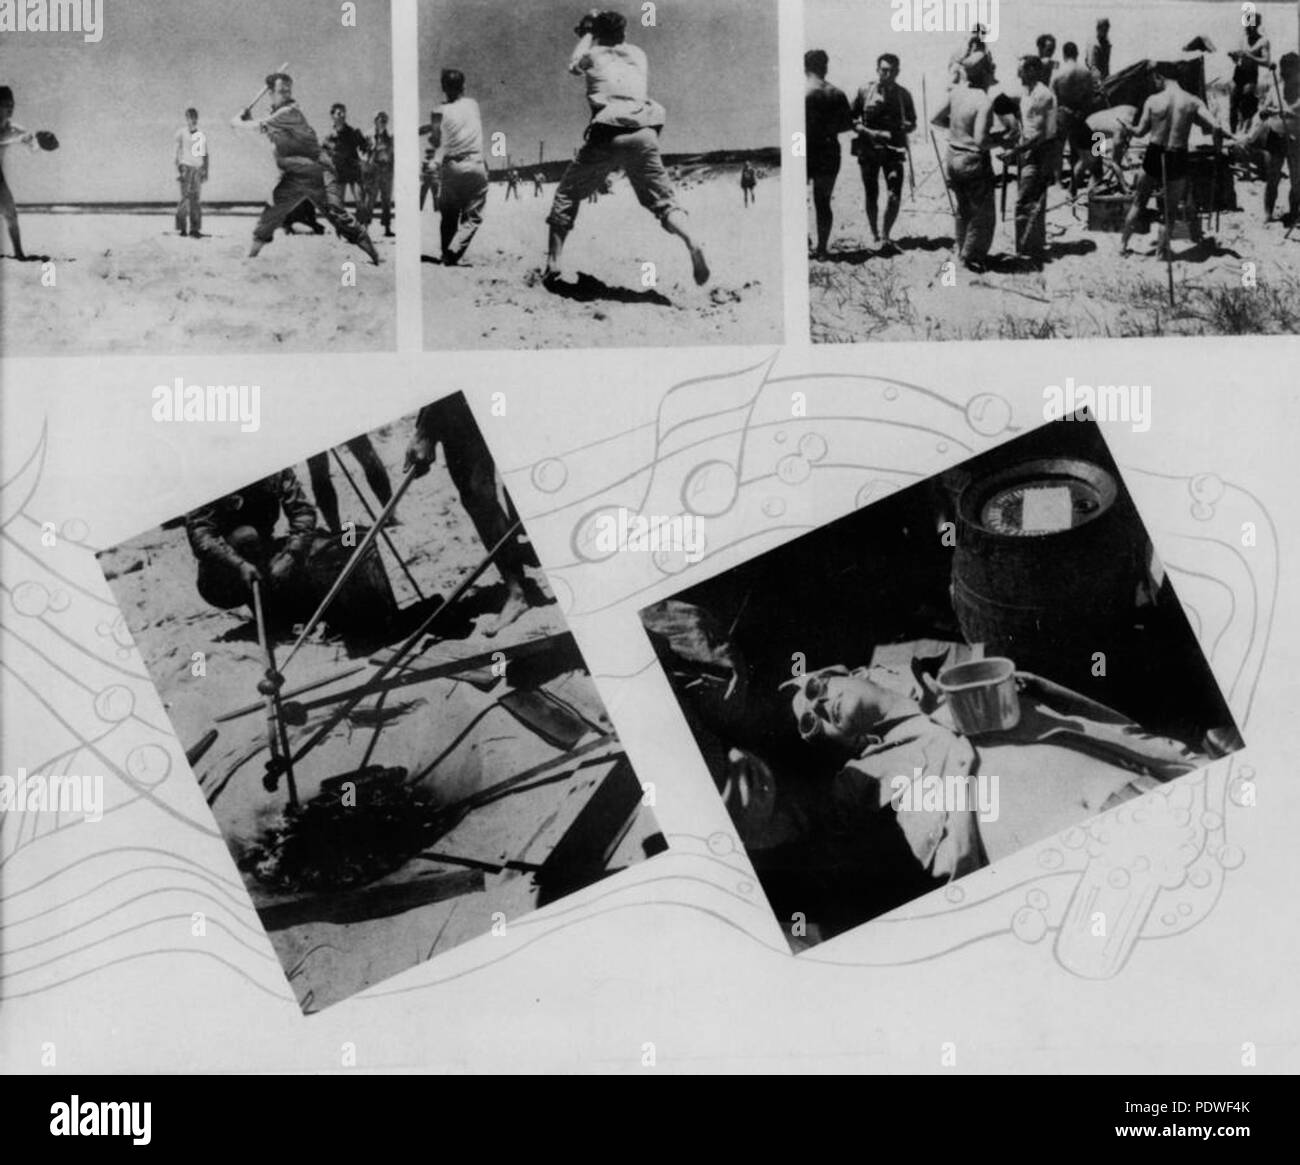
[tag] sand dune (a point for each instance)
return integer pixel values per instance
(129, 283)
(495, 299)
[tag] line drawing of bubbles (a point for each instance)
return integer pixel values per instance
(813, 447)
(774, 507)
(793, 469)
(587, 530)
(988, 414)
(711, 489)
(75, 530)
(60, 601)
(550, 475)
(149, 764)
(114, 703)
(30, 599)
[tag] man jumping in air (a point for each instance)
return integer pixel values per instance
(623, 134)
(306, 171)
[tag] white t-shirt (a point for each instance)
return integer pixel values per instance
(191, 148)
(616, 77)
(462, 128)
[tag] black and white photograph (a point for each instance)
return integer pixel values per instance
(199, 178)
(386, 713)
(1057, 169)
(600, 177)
(940, 679)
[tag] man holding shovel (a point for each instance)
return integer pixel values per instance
(306, 170)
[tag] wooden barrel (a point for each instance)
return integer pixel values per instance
(1050, 561)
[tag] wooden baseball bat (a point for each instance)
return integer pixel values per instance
(264, 90)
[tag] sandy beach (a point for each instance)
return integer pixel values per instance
(453, 735)
(495, 298)
(1086, 289)
(122, 283)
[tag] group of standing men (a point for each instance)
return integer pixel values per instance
(1033, 133)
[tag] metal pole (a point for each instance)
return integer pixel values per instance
(938, 157)
(365, 505)
(1169, 227)
(352, 564)
(277, 734)
(412, 639)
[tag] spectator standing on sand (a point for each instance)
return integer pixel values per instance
(623, 134)
(827, 114)
(883, 116)
(1099, 51)
(512, 184)
(538, 187)
(463, 176)
(379, 174)
(191, 173)
(968, 117)
(748, 180)
(428, 166)
(347, 145)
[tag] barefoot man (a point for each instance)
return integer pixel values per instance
(469, 463)
(306, 171)
(1168, 117)
(623, 134)
(883, 116)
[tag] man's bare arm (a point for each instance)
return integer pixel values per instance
(582, 49)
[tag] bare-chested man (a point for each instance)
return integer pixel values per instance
(1078, 94)
(968, 117)
(1252, 53)
(1167, 119)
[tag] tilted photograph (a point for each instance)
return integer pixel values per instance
(920, 689)
(384, 708)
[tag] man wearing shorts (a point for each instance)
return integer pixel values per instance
(1078, 94)
(883, 115)
(306, 170)
(826, 114)
(463, 176)
(623, 134)
(1167, 117)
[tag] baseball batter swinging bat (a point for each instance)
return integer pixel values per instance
(264, 90)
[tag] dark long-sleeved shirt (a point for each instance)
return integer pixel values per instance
(259, 506)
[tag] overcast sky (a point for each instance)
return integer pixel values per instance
(855, 32)
(713, 65)
(117, 105)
